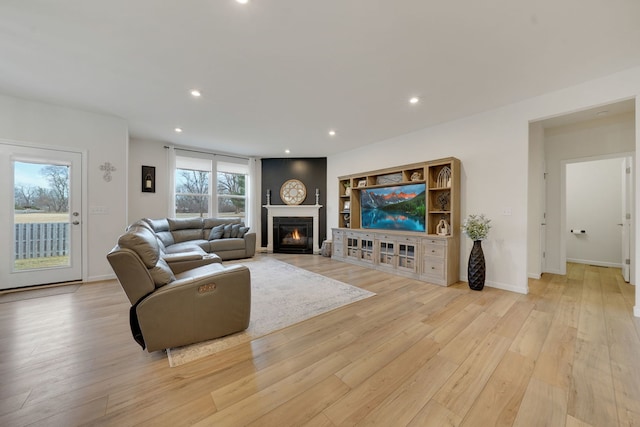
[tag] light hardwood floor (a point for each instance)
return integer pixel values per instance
(567, 354)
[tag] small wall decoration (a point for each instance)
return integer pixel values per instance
(293, 192)
(416, 176)
(107, 168)
(148, 179)
(362, 183)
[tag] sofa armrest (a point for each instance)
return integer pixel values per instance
(183, 261)
(197, 307)
(181, 256)
(250, 244)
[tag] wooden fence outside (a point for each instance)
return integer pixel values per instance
(41, 240)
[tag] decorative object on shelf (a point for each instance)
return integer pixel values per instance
(347, 206)
(347, 218)
(416, 176)
(148, 179)
(347, 189)
(317, 196)
(444, 177)
(362, 183)
(268, 196)
(293, 192)
(107, 167)
(443, 201)
(476, 227)
(443, 228)
(392, 178)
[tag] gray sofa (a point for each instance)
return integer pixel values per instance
(180, 298)
(227, 238)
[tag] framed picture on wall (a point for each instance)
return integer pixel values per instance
(148, 179)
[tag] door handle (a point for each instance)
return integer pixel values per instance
(75, 222)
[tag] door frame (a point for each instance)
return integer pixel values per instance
(563, 203)
(84, 257)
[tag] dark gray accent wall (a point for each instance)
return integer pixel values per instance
(313, 174)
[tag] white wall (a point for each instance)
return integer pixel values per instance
(494, 150)
(594, 204)
(147, 205)
(599, 137)
(104, 139)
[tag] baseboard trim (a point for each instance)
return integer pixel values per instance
(596, 263)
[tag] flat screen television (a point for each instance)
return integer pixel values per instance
(396, 207)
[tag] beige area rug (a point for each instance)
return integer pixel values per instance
(281, 295)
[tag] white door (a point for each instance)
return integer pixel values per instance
(625, 221)
(40, 215)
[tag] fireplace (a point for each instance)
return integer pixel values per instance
(296, 215)
(293, 235)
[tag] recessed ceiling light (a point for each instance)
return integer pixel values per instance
(602, 113)
(178, 130)
(243, 1)
(414, 100)
(287, 151)
(196, 93)
(332, 132)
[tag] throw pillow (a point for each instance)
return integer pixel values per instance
(216, 232)
(234, 230)
(227, 231)
(242, 232)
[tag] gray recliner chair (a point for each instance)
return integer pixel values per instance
(172, 308)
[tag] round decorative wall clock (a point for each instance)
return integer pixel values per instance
(293, 192)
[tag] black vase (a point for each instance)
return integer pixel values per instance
(476, 269)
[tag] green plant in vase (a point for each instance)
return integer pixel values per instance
(476, 227)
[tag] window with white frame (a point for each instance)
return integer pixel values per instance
(196, 192)
(193, 187)
(231, 188)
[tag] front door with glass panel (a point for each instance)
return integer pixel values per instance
(41, 200)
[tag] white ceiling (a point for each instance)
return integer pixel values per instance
(279, 74)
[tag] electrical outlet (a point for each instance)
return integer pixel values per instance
(98, 210)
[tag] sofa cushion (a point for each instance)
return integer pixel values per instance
(143, 242)
(234, 230)
(187, 235)
(184, 229)
(199, 246)
(157, 224)
(227, 244)
(161, 273)
(184, 223)
(227, 231)
(242, 231)
(216, 232)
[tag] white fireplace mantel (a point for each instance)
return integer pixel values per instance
(274, 211)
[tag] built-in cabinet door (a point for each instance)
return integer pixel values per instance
(387, 253)
(337, 247)
(434, 260)
(408, 255)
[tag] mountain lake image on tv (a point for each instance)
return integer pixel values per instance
(398, 207)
